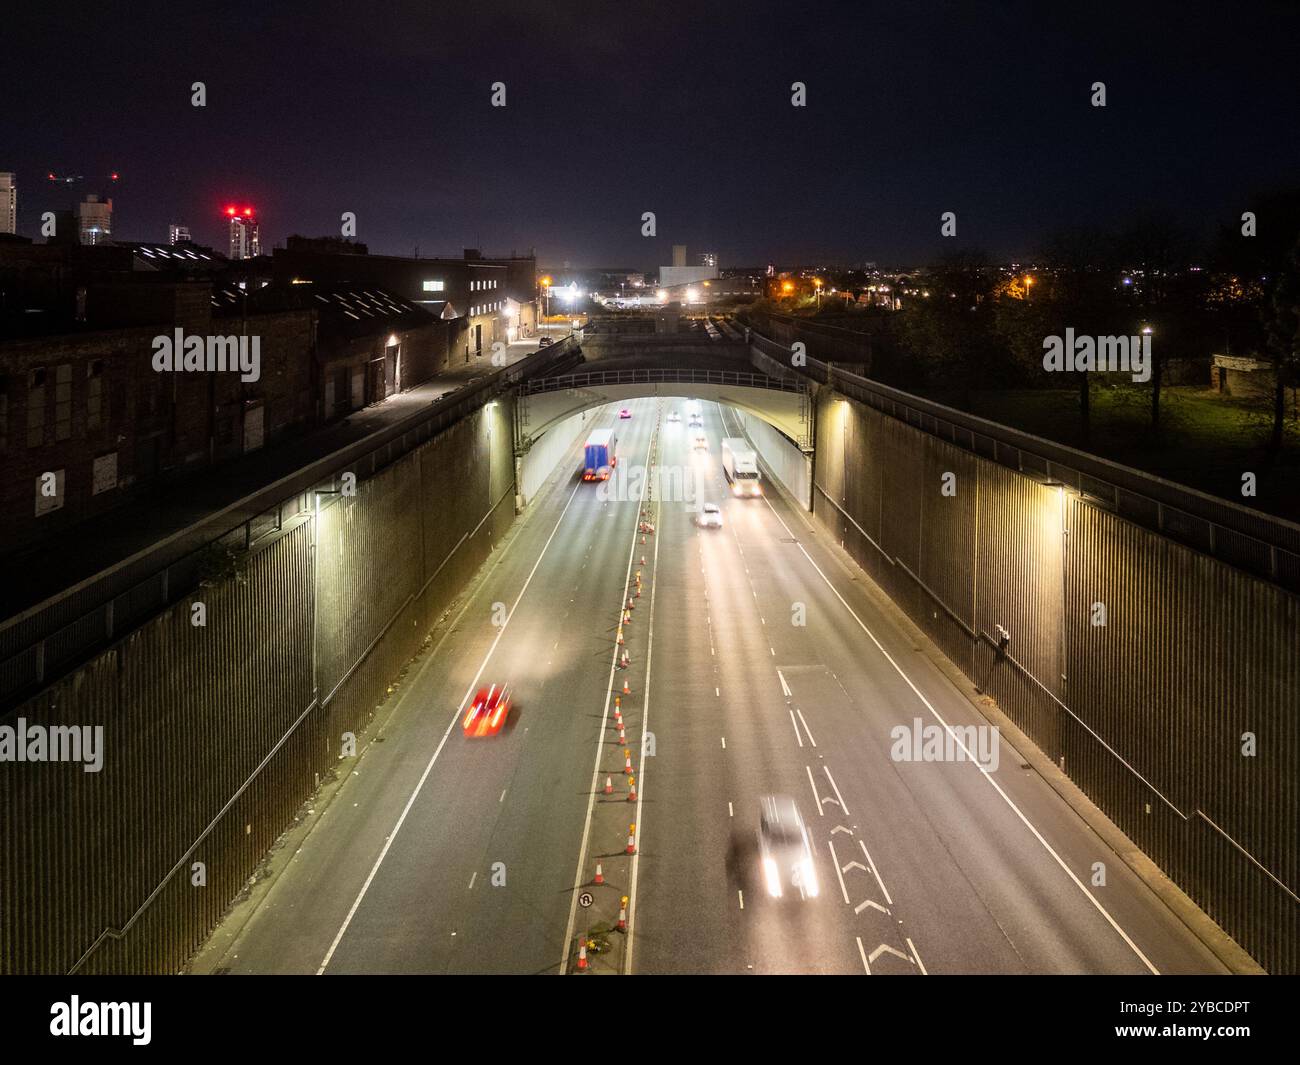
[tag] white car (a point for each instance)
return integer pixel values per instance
(701, 442)
(673, 416)
(711, 516)
(784, 849)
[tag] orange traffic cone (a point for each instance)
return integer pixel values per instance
(631, 839)
(620, 636)
(609, 786)
(642, 563)
(622, 918)
(600, 874)
(631, 795)
(627, 762)
(582, 956)
(627, 688)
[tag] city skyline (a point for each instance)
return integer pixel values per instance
(997, 126)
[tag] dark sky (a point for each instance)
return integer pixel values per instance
(383, 108)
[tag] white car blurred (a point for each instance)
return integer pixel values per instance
(701, 442)
(673, 416)
(710, 516)
(784, 849)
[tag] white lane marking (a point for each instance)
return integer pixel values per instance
(885, 948)
(742, 898)
(863, 955)
(912, 947)
(730, 811)
(807, 729)
(724, 743)
(785, 688)
(717, 692)
(640, 795)
(503, 795)
(471, 880)
(838, 875)
(982, 770)
(356, 903)
(796, 728)
(868, 902)
(827, 770)
(816, 798)
(875, 872)
(600, 738)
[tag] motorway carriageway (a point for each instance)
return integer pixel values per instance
(924, 867)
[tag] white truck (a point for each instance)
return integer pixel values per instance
(740, 464)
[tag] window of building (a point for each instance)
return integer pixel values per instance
(36, 407)
(94, 395)
(63, 401)
(433, 286)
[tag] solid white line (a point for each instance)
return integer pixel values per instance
(816, 798)
(730, 811)
(982, 770)
(742, 898)
(863, 955)
(827, 770)
(875, 872)
(805, 725)
(912, 947)
(835, 861)
(451, 725)
(600, 737)
(796, 728)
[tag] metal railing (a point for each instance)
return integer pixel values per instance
(53, 636)
(598, 378)
(1260, 544)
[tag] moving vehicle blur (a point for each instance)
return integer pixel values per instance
(625, 413)
(784, 850)
(488, 712)
(701, 442)
(711, 516)
(543, 341)
(599, 455)
(740, 464)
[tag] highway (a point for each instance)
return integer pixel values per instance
(776, 669)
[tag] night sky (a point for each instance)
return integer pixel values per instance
(383, 108)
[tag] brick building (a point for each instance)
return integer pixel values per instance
(86, 416)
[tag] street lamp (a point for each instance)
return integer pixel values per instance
(546, 291)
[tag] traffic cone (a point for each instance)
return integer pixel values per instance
(625, 659)
(627, 617)
(631, 839)
(627, 688)
(622, 736)
(620, 635)
(627, 762)
(631, 795)
(643, 539)
(622, 918)
(630, 604)
(616, 701)
(609, 786)
(638, 589)
(582, 956)
(600, 874)
(638, 573)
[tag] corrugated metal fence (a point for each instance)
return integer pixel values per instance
(214, 735)
(1141, 666)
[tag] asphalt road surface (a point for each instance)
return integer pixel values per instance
(777, 669)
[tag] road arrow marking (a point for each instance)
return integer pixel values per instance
(884, 948)
(863, 905)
